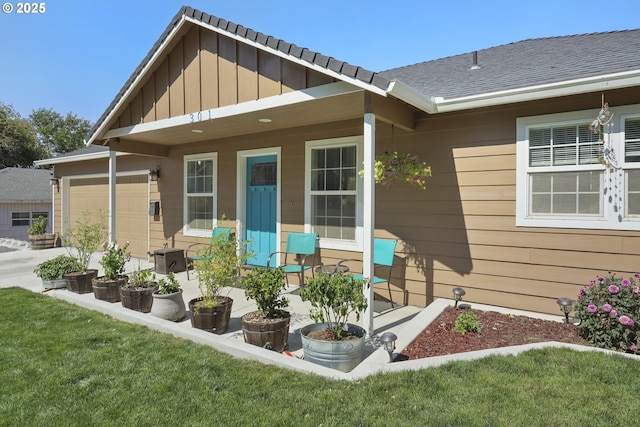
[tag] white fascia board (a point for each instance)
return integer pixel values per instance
(571, 87)
(323, 70)
(409, 95)
(137, 79)
(78, 158)
(318, 92)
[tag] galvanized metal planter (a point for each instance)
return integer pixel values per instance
(341, 355)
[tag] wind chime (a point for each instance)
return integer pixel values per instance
(604, 118)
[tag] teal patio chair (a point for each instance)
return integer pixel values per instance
(202, 253)
(298, 244)
(383, 253)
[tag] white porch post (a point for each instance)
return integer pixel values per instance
(112, 196)
(369, 215)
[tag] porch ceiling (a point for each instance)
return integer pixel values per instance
(156, 138)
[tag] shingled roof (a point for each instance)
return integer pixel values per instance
(523, 64)
(25, 185)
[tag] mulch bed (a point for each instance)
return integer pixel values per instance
(498, 330)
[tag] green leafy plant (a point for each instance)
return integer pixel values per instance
(391, 167)
(168, 285)
(219, 267)
(333, 298)
(608, 310)
(39, 226)
(141, 278)
(467, 322)
(84, 238)
(114, 259)
(264, 285)
(54, 268)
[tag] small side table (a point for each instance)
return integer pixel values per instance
(331, 268)
(169, 260)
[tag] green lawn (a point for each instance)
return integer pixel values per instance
(62, 365)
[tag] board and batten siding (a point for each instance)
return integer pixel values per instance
(205, 70)
(20, 232)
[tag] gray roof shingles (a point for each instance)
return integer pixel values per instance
(524, 64)
(25, 185)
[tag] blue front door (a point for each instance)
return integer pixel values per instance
(261, 211)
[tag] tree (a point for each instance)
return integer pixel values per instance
(58, 134)
(18, 146)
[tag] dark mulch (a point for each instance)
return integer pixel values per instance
(498, 330)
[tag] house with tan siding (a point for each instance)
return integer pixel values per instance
(520, 209)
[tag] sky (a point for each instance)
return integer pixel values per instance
(75, 55)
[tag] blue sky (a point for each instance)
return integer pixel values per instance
(76, 55)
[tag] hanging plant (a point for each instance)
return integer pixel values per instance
(391, 167)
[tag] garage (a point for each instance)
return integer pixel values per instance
(132, 198)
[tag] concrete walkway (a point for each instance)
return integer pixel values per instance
(16, 269)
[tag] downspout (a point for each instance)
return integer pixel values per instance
(112, 196)
(368, 225)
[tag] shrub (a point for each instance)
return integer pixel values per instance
(168, 285)
(609, 310)
(39, 226)
(467, 322)
(114, 259)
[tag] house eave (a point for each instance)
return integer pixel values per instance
(78, 158)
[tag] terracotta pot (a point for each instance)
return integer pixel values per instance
(108, 289)
(272, 334)
(80, 281)
(211, 319)
(169, 306)
(138, 299)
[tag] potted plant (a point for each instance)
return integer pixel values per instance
(38, 235)
(331, 341)
(218, 267)
(267, 327)
(82, 240)
(52, 270)
(168, 303)
(114, 258)
(136, 293)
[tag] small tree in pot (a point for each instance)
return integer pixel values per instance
(114, 258)
(38, 235)
(334, 297)
(167, 300)
(82, 240)
(219, 267)
(268, 326)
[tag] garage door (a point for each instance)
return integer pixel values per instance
(132, 220)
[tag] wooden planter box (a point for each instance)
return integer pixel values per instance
(42, 241)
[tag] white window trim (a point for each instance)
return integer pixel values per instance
(186, 231)
(613, 213)
(325, 243)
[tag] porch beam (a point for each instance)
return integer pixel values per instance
(368, 216)
(393, 112)
(137, 147)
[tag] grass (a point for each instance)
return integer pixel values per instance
(63, 365)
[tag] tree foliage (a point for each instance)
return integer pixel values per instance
(59, 134)
(18, 143)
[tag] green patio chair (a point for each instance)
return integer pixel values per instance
(383, 253)
(216, 233)
(298, 244)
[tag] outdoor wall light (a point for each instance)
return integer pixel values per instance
(388, 340)
(154, 175)
(458, 293)
(566, 305)
(53, 181)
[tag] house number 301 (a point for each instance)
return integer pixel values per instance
(198, 117)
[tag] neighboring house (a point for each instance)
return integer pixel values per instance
(519, 210)
(25, 195)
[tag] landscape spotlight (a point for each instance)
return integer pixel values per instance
(388, 340)
(566, 305)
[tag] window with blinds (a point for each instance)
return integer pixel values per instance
(563, 146)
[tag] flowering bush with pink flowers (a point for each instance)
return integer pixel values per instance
(609, 312)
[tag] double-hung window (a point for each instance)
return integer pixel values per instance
(333, 202)
(562, 178)
(200, 183)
